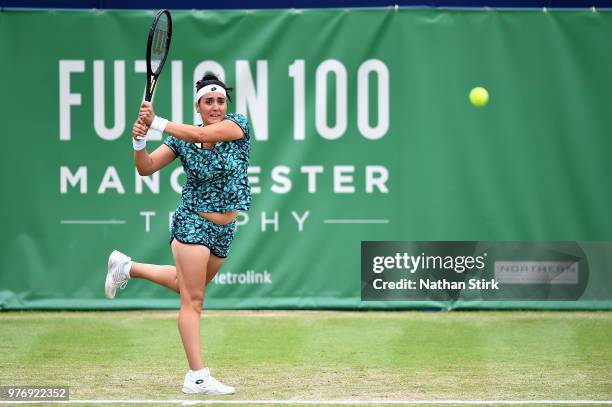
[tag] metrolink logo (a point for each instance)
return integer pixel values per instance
(405, 261)
(246, 278)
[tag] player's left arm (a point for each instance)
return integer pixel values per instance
(225, 130)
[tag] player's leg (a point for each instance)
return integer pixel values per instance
(121, 268)
(191, 261)
(162, 275)
(166, 275)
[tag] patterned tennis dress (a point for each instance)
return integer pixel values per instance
(217, 181)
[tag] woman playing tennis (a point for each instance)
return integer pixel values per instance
(215, 158)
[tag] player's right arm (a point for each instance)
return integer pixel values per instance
(148, 164)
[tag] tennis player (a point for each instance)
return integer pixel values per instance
(215, 157)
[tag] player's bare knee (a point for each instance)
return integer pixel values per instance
(192, 300)
(195, 307)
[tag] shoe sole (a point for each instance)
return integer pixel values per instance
(187, 390)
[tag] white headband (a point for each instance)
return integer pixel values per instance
(208, 89)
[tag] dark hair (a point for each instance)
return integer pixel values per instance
(210, 78)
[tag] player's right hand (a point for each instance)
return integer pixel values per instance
(146, 113)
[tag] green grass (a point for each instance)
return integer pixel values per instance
(317, 355)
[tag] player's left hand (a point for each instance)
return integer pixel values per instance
(146, 113)
(139, 130)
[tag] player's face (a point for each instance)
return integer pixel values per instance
(212, 107)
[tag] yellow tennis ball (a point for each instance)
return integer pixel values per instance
(479, 96)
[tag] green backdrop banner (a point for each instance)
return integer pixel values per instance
(362, 128)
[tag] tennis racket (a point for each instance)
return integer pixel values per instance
(158, 45)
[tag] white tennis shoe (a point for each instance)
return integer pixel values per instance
(118, 273)
(203, 383)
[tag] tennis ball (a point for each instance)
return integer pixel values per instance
(479, 96)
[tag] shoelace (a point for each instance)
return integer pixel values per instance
(214, 381)
(217, 383)
(118, 278)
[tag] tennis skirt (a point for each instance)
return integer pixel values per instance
(189, 227)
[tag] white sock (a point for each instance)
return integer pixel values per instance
(126, 268)
(201, 372)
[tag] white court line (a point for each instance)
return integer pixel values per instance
(93, 222)
(343, 402)
(356, 221)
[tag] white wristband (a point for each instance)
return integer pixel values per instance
(139, 144)
(159, 123)
(154, 134)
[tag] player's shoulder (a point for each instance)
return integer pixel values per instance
(237, 117)
(174, 143)
(240, 120)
